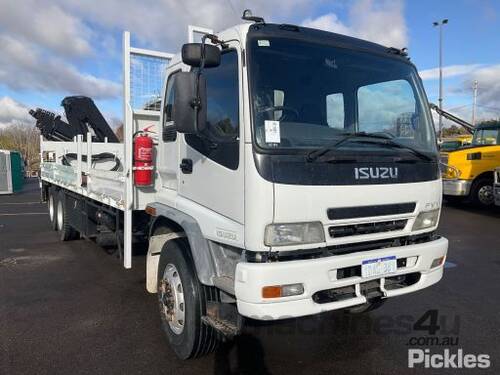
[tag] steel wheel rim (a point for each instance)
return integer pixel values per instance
(172, 299)
(51, 208)
(60, 219)
(485, 195)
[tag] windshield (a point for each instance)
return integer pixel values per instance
(306, 96)
(486, 136)
(450, 145)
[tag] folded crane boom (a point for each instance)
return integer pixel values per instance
(83, 116)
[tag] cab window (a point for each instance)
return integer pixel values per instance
(222, 112)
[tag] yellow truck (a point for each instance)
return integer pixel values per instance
(469, 171)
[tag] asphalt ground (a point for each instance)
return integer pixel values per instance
(70, 308)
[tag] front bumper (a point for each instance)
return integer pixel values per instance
(321, 274)
(456, 187)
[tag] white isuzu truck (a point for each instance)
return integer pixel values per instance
(292, 171)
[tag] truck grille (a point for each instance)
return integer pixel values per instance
(355, 212)
(366, 228)
(349, 248)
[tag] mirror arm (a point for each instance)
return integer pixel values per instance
(196, 102)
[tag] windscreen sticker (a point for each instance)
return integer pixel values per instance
(263, 43)
(272, 129)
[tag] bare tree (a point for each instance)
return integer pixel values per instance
(25, 138)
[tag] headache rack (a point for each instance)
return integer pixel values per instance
(84, 156)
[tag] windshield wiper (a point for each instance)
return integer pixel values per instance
(315, 154)
(391, 143)
(377, 138)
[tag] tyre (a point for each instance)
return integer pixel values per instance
(182, 301)
(481, 193)
(52, 207)
(67, 232)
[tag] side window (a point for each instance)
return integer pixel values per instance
(222, 112)
(169, 134)
(279, 100)
(335, 110)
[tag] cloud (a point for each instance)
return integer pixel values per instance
(44, 46)
(329, 22)
(449, 71)
(24, 67)
(488, 79)
(39, 44)
(163, 24)
(47, 25)
(12, 112)
(381, 22)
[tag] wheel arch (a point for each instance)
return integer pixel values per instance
(170, 224)
(485, 175)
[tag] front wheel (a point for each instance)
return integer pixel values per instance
(182, 301)
(482, 192)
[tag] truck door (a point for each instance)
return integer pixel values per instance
(211, 174)
(168, 155)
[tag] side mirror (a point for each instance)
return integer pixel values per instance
(186, 118)
(191, 55)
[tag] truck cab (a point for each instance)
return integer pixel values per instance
(469, 171)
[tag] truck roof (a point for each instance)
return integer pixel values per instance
(488, 126)
(306, 34)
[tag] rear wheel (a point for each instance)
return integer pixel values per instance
(67, 232)
(52, 206)
(182, 301)
(482, 192)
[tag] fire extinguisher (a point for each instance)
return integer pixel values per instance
(143, 159)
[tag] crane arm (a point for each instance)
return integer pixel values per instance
(457, 120)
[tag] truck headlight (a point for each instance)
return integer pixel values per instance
(294, 234)
(427, 219)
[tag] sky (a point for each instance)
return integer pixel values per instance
(52, 49)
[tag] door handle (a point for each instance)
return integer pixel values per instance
(186, 166)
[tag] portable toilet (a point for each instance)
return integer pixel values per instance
(11, 172)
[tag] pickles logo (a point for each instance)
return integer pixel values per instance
(448, 359)
(441, 332)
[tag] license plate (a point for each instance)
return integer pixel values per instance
(378, 266)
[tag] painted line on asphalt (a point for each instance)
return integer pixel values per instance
(25, 213)
(15, 203)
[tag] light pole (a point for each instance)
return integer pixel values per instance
(474, 102)
(440, 100)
